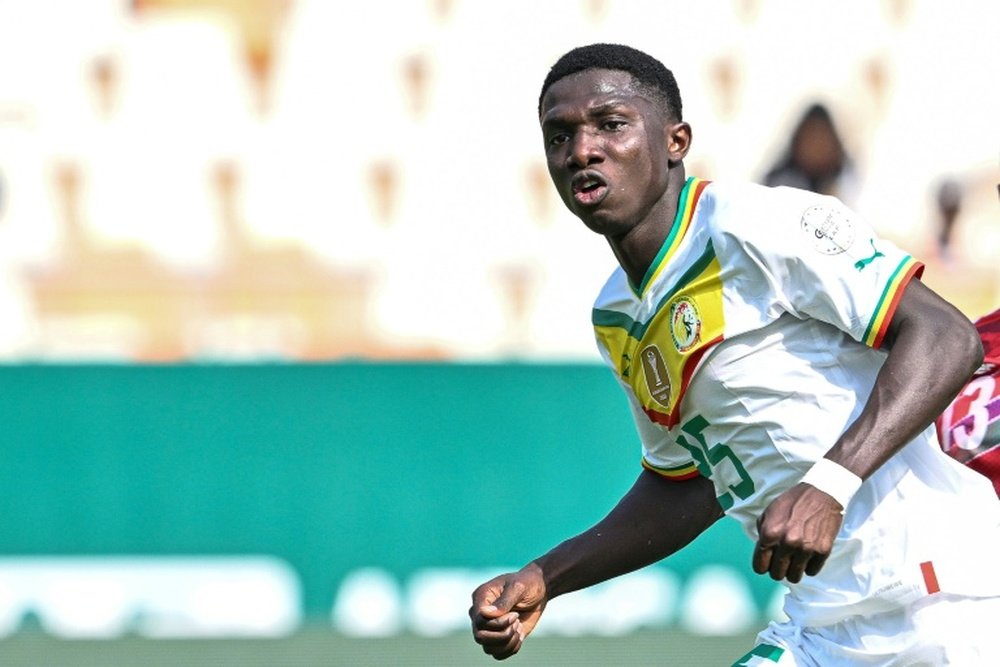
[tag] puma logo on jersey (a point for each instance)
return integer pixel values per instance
(862, 263)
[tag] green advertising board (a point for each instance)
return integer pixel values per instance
(406, 476)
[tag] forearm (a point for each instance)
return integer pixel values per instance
(931, 358)
(654, 519)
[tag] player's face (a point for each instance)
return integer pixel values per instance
(607, 148)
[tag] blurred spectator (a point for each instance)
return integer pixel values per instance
(949, 205)
(815, 158)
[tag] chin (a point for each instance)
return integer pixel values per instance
(604, 225)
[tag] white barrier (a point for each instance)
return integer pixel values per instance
(99, 597)
(714, 600)
(260, 596)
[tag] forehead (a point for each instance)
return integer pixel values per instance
(590, 88)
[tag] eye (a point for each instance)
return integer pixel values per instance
(613, 125)
(557, 138)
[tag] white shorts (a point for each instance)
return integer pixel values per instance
(938, 630)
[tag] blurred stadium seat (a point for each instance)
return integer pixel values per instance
(390, 169)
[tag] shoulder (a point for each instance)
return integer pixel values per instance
(613, 314)
(749, 210)
(616, 294)
(736, 198)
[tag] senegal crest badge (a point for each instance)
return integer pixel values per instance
(685, 324)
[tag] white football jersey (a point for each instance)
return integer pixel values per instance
(750, 346)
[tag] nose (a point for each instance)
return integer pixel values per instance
(584, 150)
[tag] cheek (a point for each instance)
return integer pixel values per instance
(638, 150)
(643, 166)
(657, 155)
(555, 180)
(550, 164)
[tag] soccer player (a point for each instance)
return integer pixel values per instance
(969, 429)
(785, 366)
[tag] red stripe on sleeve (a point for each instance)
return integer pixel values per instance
(930, 578)
(916, 270)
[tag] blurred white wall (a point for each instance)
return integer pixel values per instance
(303, 179)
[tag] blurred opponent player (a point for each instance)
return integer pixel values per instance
(969, 430)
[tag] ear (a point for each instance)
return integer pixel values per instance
(678, 140)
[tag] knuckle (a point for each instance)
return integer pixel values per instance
(771, 533)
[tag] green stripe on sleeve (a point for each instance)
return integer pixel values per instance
(765, 652)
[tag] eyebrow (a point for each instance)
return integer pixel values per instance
(596, 110)
(605, 107)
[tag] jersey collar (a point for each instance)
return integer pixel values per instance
(686, 203)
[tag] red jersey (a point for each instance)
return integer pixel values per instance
(969, 429)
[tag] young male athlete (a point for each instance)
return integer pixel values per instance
(784, 367)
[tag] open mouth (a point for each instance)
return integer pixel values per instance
(589, 189)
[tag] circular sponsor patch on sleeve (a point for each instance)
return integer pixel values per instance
(829, 230)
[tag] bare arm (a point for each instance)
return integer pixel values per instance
(933, 350)
(654, 519)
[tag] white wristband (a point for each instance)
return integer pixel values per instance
(833, 479)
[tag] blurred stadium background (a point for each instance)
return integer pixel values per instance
(296, 342)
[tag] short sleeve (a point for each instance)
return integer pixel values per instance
(815, 258)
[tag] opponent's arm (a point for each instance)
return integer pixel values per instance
(933, 349)
(656, 518)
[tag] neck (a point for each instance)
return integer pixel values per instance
(637, 248)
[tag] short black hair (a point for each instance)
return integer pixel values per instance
(652, 76)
